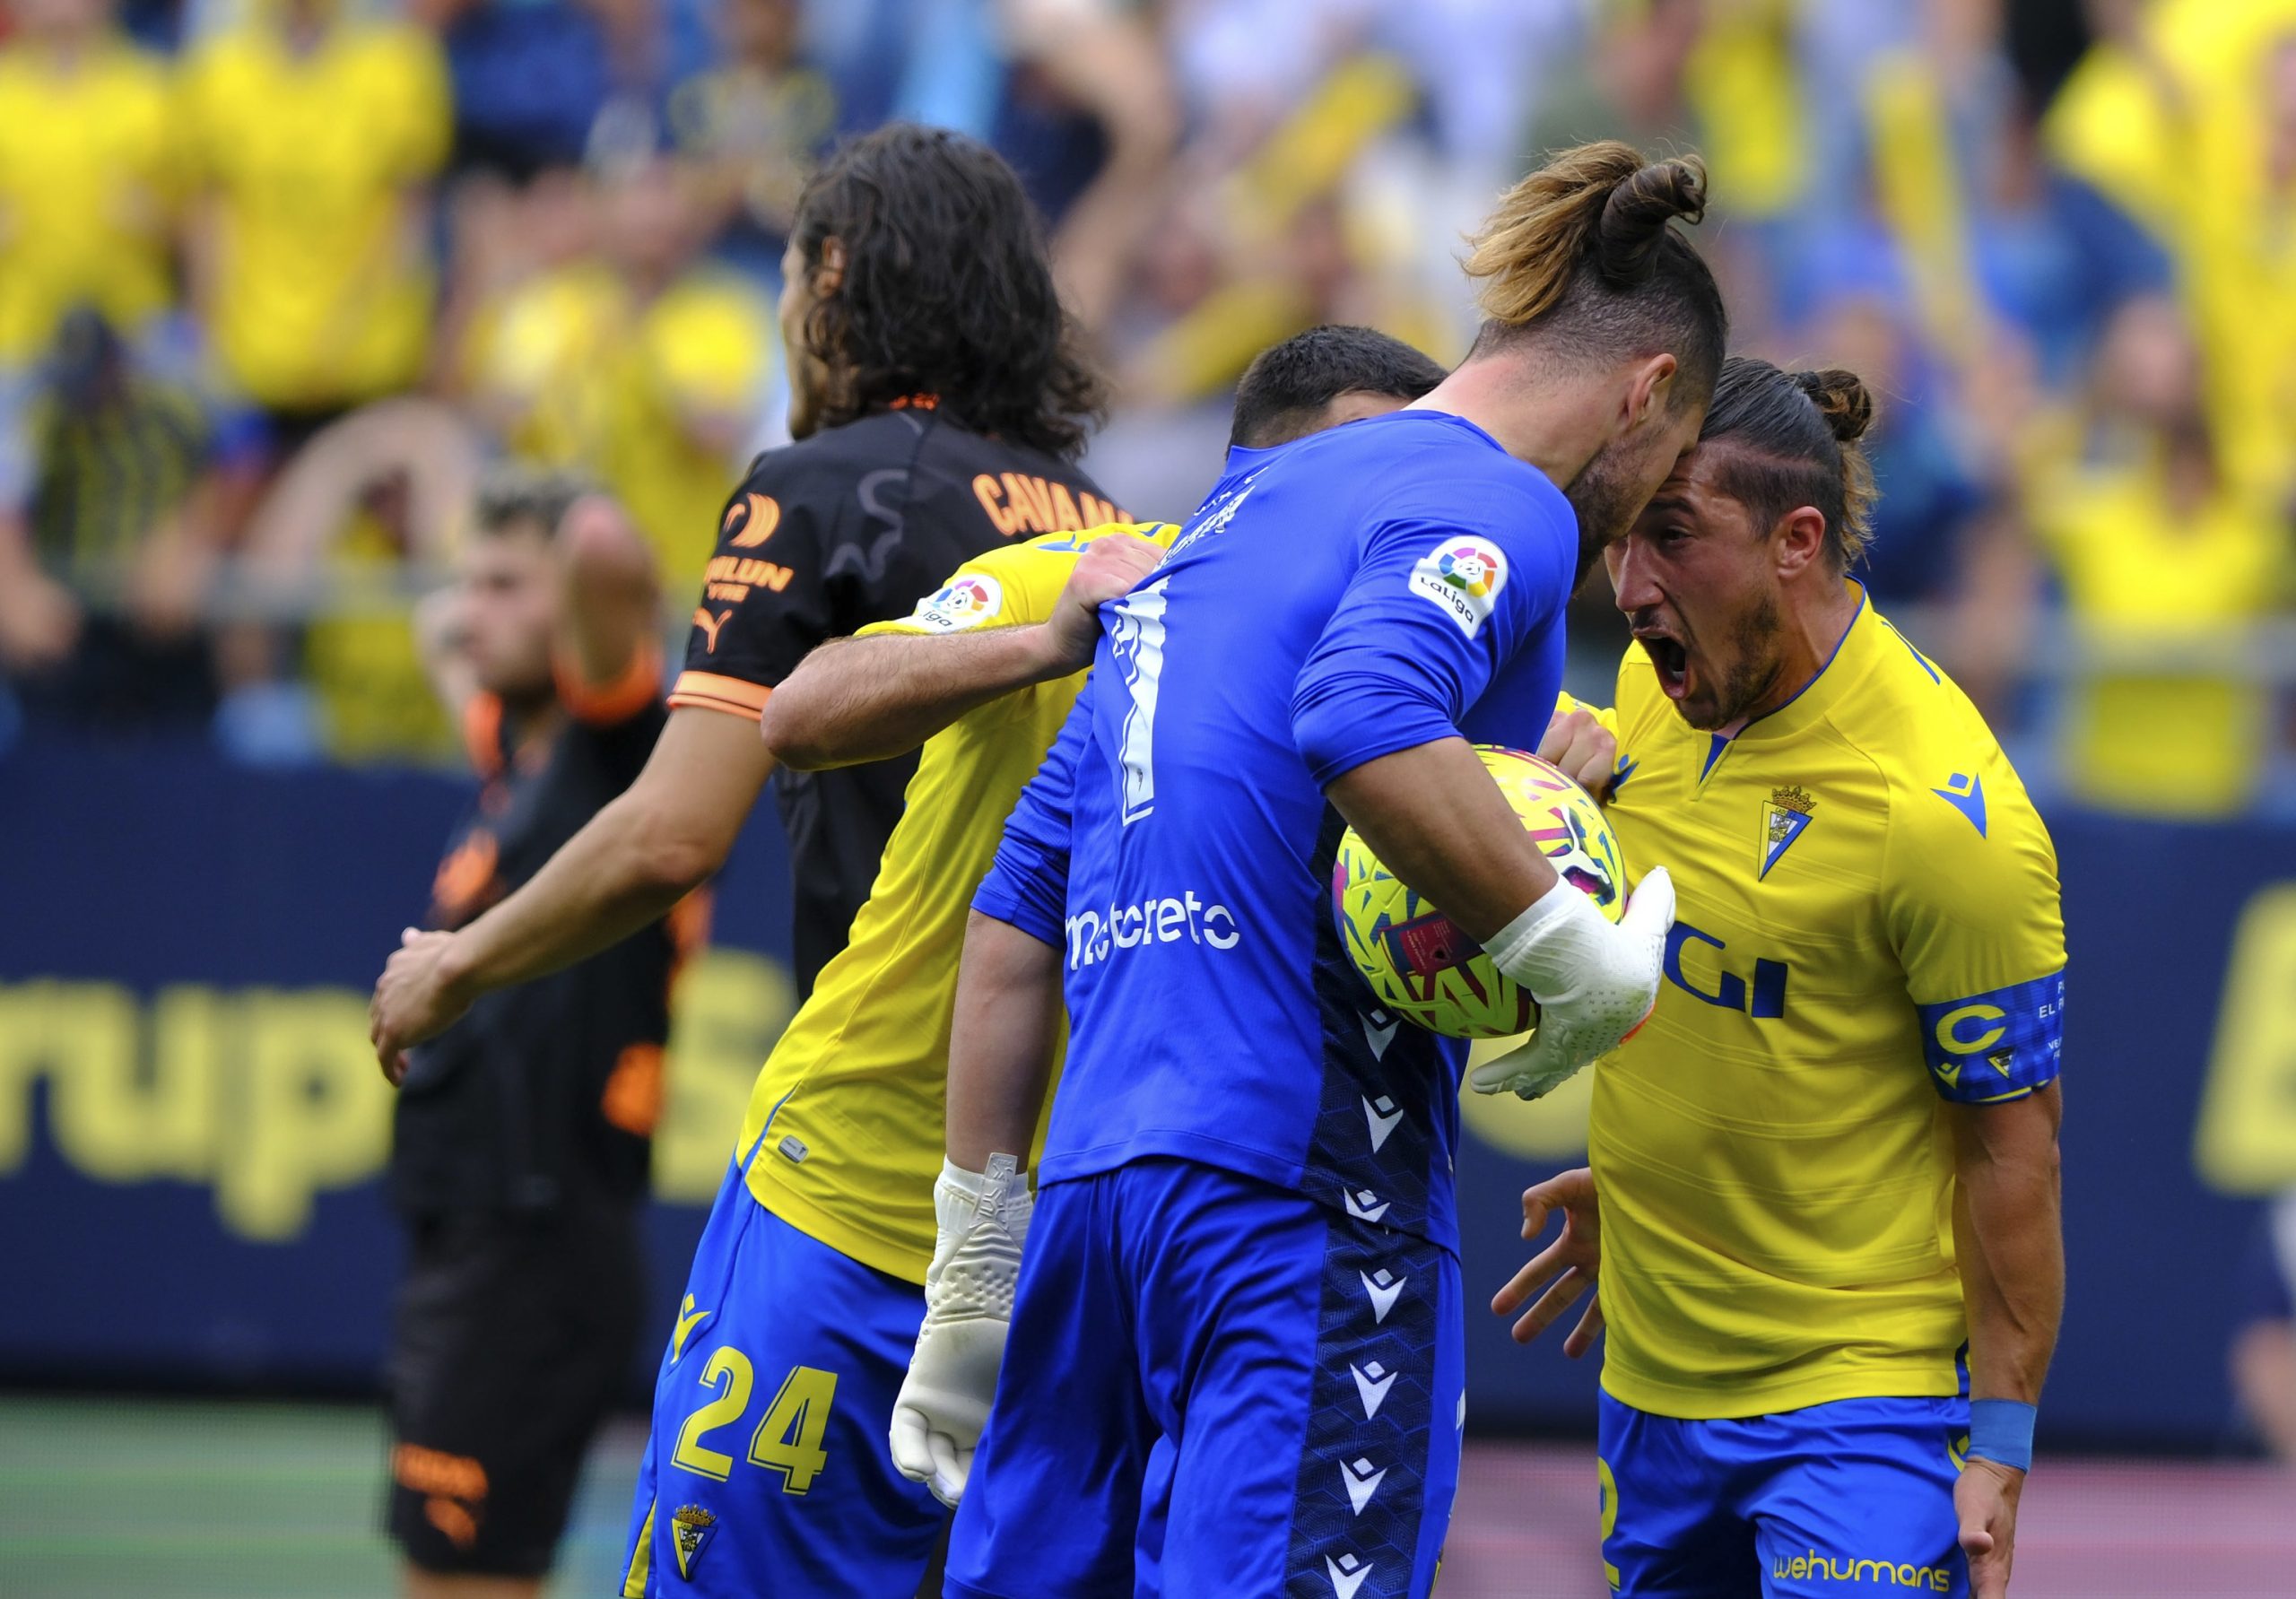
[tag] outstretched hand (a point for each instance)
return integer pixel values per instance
(413, 1000)
(1566, 1268)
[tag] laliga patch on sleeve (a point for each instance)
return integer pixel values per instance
(1462, 576)
(974, 598)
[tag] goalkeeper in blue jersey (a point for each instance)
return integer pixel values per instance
(1236, 1351)
(1827, 1238)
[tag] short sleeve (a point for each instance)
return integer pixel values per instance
(1026, 885)
(1436, 607)
(764, 594)
(1605, 715)
(1972, 907)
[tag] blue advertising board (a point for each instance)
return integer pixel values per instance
(192, 1126)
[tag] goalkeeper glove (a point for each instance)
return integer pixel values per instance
(1595, 983)
(943, 1401)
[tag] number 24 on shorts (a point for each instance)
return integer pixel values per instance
(788, 1440)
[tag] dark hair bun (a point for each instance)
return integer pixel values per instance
(1638, 210)
(1842, 398)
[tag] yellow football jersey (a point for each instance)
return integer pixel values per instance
(851, 1101)
(323, 283)
(89, 176)
(1868, 926)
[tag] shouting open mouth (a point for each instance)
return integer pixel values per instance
(1670, 658)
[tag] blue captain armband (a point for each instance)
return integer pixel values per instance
(2002, 1430)
(2000, 1045)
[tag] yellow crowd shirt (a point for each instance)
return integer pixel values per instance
(1868, 927)
(87, 184)
(658, 399)
(2141, 574)
(851, 1102)
(322, 283)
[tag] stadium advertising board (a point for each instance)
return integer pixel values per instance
(192, 1126)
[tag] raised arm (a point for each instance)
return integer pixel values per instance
(886, 692)
(609, 605)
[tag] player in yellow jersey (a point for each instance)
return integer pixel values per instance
(767, 1472)
(1828, 1240)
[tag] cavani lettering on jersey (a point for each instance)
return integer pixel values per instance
(1094, 934)
(1019, 502)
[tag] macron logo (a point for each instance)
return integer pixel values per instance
(1365, 1206)
(1371, 1385)
(1382, 1115)
(1379, 1034)
(1346, 1573)
(1384, 1286)
(1362, 1482)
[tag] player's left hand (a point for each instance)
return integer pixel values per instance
(1566, 1268)
(413, 999)
(1985, 1501)
(1584, 749)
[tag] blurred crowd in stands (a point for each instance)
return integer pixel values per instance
(277, 277)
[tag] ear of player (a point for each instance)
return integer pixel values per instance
(943, 1401)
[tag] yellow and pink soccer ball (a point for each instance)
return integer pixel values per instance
(1418, 962)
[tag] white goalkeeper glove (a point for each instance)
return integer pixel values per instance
(943, 1401)
(1594, 982)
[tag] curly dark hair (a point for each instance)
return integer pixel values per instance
(947, 290)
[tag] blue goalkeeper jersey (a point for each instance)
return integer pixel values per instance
(1393, 582)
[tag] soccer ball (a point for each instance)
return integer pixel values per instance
(1417, 961)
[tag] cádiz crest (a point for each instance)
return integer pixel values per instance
(689, 1530)
(1785, 817)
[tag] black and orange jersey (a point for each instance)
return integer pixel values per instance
(849, 526)
(545, 1093)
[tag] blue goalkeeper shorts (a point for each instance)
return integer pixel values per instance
(1216, 1386)
(1854, 1497)
(767, 1470)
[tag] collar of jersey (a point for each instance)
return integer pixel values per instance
(1810, 702)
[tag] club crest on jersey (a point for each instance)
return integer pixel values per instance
(690, 1531)
(1785, 817)
(967, 603)
(1463, 578)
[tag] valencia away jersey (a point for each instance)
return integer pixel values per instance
(1867, 928)
(853, 1094)
(545, 1093)
(834, 532)
(1371, 589)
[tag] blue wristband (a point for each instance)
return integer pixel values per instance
(2002, 1430)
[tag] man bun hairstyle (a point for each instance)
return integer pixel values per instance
(947, 290)
(1795, 439)
(1282, 394)
(1584, 255)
